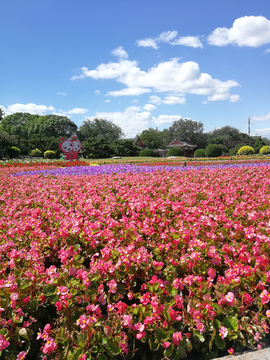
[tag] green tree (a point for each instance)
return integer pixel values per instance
(124, 148)
(6, 141)
(229, 137)
(190, 131)
(2, 113)
(259, 143)
(97, 149)
(100, 128)
(152, 138)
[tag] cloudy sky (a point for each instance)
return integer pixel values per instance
(138, 63)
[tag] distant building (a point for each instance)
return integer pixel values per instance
(188, 149)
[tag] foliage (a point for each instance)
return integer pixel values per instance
(259, 144)
(213, 150)
(97, 128)
(199, 153)
(96, 149)
(229, 137)
(159, 265)
(34, 131)
(13, 152)
(152, 138)
(234, 151)
(148, 153)
(265, 150)
(2, 113)
(190, 131)
(36, 153)
(175, 152)
(246, 150)
(49, 154)
(6, 141)
(124, 148)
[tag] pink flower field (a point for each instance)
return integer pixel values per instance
(161, 265)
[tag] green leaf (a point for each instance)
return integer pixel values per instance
(113, 347)
(168, 351)
(230, 322)
(220, 343)
(76, 353)
(4, 332)
(182, 352)
(102, 357)
(160, 334)
(49, 290)
(153, 344)
(198, 336)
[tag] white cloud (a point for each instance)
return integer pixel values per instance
(267, 51)
(192, 41)
(221, 97)
(261, 117)
(133, 108)
(77, 111)
(97, 92)
(171, 100)
(134, 122)
(167, 36)
(134, 101)
(120, 52)
(149, 107)
(107, 101)
(262, 132)
(61, 93)
(147, 43)
(169, 76)
(252, 31)
(30, 108)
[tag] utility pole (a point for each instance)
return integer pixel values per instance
(248, 126)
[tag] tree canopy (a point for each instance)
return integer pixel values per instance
(100, 129)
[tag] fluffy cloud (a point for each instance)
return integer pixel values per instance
(147, 43)
(261, 118)
(61, 93)
(168, 36)
(169, 76)
(169, 100)
(221, 97)
(262, 132)
(149, 107)
(77, 111)
(192, 41)
(252, 31)
(120, 52)
(29, 108)
(97, 92)
(133, 121)
(267, 51)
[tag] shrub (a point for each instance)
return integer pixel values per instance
(49, 154)
(235, 149)
(199, 153)
(175, 152)
(213, 150)
(148, 153)
(265, 150)
(36, 153)
(13, 152)
(246, 150)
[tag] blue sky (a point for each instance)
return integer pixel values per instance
(140, 64)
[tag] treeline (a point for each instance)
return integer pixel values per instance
(101, 138)
(228, 138)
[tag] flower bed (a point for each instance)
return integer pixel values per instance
(151, 264)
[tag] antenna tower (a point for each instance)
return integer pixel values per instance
(248, 126)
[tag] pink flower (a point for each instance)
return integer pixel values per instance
(200, 327)
(268, 313)
(21, 355)
(177, 337)
(139, 326)
(3, 343)
(211, 273)
(82, 322)
(112, 284)
(166, 344)
(223, 332)
(197, 316)
(126, 320)
(265, 297)
(230, 297)
(140, 335)
(231, 351)
(49, 346)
